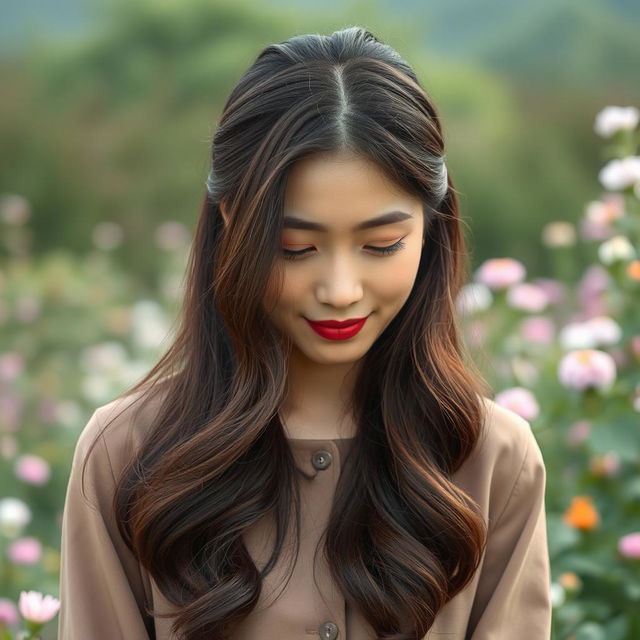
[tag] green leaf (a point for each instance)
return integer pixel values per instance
(561, 536)
(617, 628)
(590, 631)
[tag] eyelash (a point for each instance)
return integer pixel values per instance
(383, 251)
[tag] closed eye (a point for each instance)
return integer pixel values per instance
(383, 251)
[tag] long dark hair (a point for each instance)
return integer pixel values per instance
(402, 538)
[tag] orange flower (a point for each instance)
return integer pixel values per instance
(570, 581)
(633, 269)
(581, 513)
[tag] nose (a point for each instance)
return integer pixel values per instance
(340, 283)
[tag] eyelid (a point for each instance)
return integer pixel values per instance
(384, 251)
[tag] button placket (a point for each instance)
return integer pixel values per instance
(328, 631)
(321, 459)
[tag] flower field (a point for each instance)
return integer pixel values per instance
(563, 353)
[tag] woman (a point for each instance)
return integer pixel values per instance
(311, 458)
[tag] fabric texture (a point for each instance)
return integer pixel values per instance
(103, 589)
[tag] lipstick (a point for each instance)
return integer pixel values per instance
(337, 329)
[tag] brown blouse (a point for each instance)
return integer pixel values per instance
(103, 588)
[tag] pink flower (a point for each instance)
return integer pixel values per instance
(635, 400)
(586, 368)
(590, 230)
(629, 545)
(556, 291)
(500, 273)
(590, 289)
(35, 608)
(619, 356)
(32, 469)
(27, 309)
(607, 464)
(172, 235)
(47, 410)
(477, 332)
(107, 235)
(8, 613)
(11, 365)
(538, 329)
(14, 209)
(527, 297)
(607, 210)
(11, 410)
(25, 551)
(520, 401)
(578, 432)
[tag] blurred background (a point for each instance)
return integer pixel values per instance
(107, 110)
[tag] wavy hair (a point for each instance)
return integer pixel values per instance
(402, 538)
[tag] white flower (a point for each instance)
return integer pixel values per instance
(612, 119)
(620, 174)
(150, 325)
(38, 608)
(14, 516)
(558, 595)
(616, 248)
(474, 297)
(68, 413)
(598, 331)
(576, 335)
(559, 234)
(96, 387)
(606, 331)
(104, 357)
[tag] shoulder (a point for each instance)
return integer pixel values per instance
(506, 434)
(115, 431)
(506, 456)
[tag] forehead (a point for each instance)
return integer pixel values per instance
(342, 188)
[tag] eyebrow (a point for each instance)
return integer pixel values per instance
(292, 222)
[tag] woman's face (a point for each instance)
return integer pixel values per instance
(339, 274)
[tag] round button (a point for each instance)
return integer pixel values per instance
(321, 460)
(328, 631)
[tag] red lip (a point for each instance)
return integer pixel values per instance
(335, 324)
(337, 330)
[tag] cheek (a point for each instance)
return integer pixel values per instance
(289, 295)
(397, 276)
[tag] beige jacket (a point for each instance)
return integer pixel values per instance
(103, 588)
